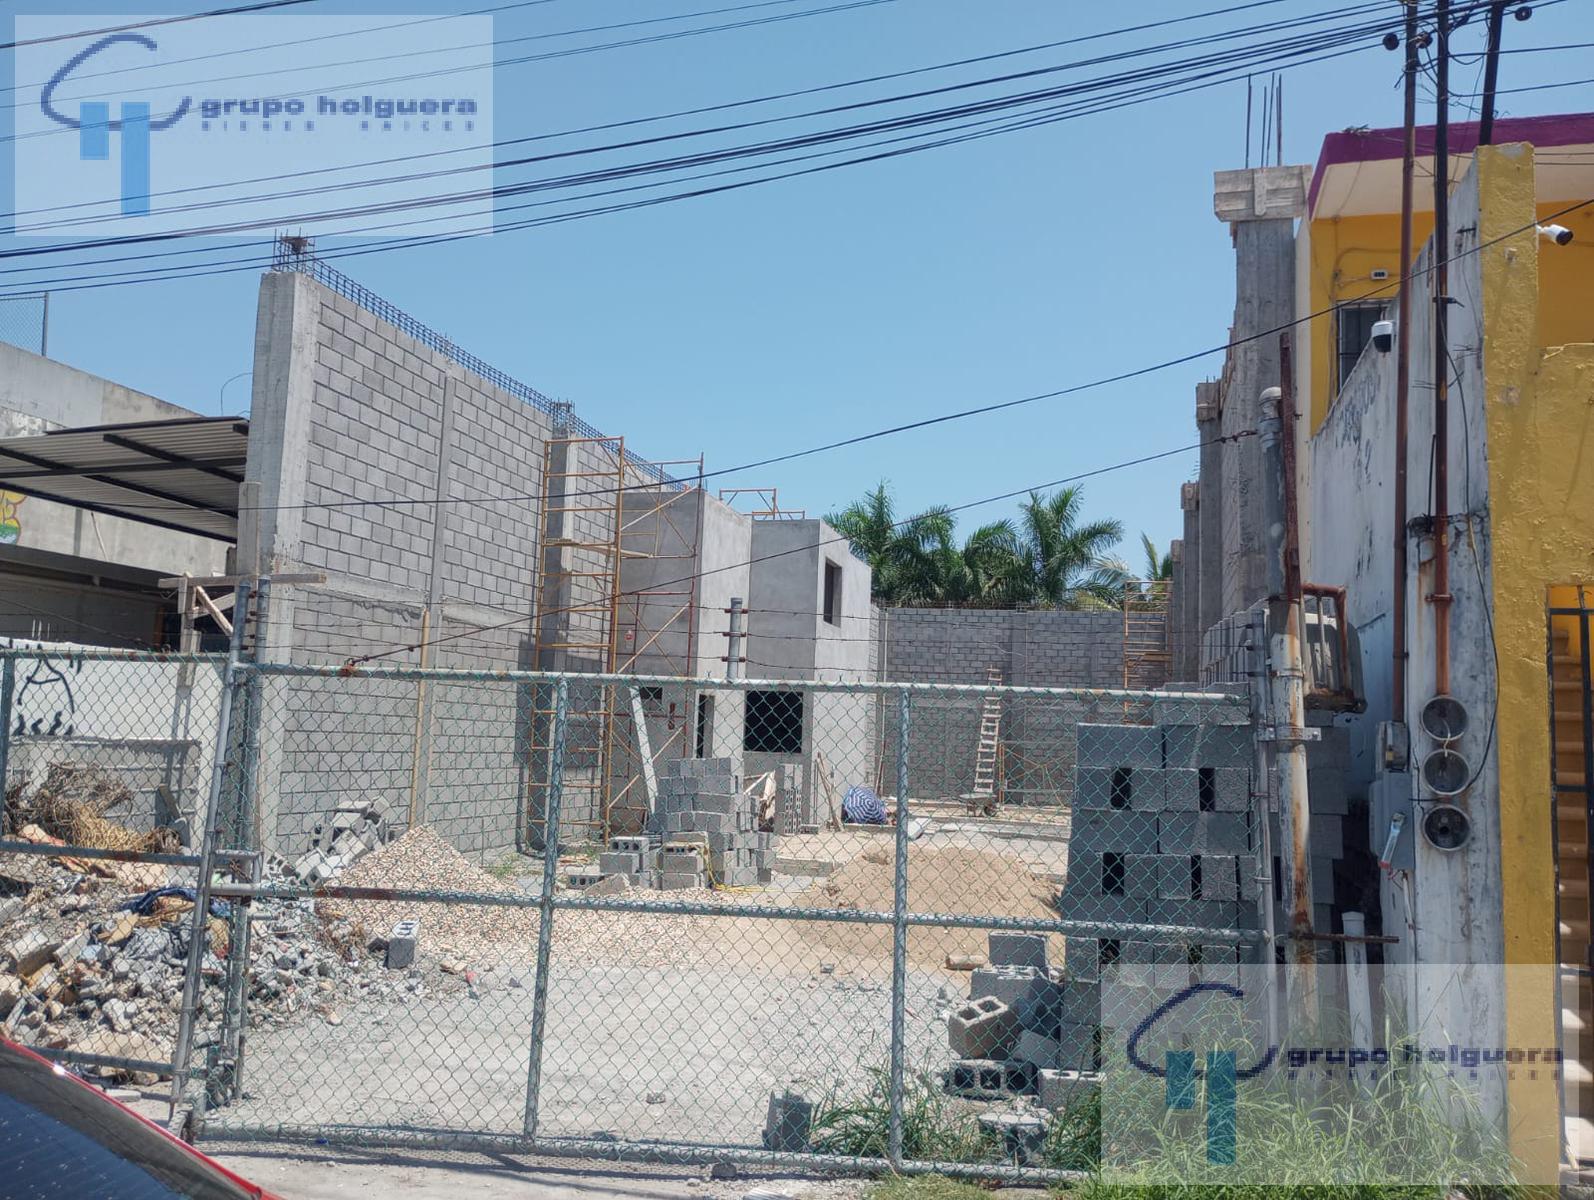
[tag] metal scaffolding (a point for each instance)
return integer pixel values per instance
(604, 606)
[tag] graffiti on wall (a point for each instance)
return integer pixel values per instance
(44, 702)
(10, 519)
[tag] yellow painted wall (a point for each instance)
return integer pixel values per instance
(1540, 417)
(1566, 279)
(1344, 252)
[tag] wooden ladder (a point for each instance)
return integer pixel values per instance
(988, 749)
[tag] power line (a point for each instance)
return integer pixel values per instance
(924, 423)
(662, 166)
(327, 37)
(260, 6)
(804, 549)
(1226, 35)
(1300, 45)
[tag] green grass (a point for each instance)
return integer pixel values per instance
(934, 1129)
(924, 1187)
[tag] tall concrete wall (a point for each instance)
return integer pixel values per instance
(1031, 648)
(359, 429)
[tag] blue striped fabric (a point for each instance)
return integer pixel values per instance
(862, 807)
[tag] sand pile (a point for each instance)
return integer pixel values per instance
(952, 880)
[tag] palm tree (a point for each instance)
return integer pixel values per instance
(907, 555)
(1046, 558)
(1064, 564)
(1158, 566)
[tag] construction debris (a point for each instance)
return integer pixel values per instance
(70, 804)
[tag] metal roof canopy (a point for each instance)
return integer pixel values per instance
(179, 474)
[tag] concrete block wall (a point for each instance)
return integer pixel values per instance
(1147, 847)
(349, 410)
(1031, 648)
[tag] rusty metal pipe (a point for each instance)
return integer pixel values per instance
(1403, 368)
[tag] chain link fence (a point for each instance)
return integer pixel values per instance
(790, 923)
(25, 320)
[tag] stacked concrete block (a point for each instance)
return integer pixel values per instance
(703, 812)
(1161, 835)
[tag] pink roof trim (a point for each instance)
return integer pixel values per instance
(1373, 145)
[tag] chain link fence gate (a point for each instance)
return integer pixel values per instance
(113, 766)
(785, 954)
(788, 952)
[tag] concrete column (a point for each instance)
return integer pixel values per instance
(1260, 207)
(1188, 616)
(1175, 622)
(270, 530)
(1209, 509)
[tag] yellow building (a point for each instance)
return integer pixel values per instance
(1520, 547)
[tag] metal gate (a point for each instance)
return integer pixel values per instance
(774, 966)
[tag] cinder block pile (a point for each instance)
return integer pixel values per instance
(1162, 835)
(702, 833)
(1025, 1029)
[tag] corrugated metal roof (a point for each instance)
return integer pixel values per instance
(180, 474)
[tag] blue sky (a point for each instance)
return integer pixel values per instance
(776, 317)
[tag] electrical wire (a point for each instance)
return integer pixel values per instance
(807, 548)
(259, 6)
(980, 410)
(1275, 50)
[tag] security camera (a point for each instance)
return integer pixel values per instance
(1559, 234)
(1383, 336)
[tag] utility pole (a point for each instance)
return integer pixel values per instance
(1441, 360)
(1403, 365)
(733, 653)
(1491, 71)
(1287, 683)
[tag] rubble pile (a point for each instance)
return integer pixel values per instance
(91, 964)
(70, 803)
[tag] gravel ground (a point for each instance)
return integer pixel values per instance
(630, 1052)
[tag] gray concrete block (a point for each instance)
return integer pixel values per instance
(401, 945)
(1220, 879)
(990, 1079)
(1073, 906)
(1120, 746)
(615, 862)
(1036, 1048)
(698, 821)
(1175, 878)
(1196, 833)
(1138, 789)
(1328, 791)
(1182, 790)
(1058, 1091)
(1081, 959)
(983, 1028)
(1142, 875)
(1020, 988)
(1017, 949)
(671, 881)
(1208, 746)
(1078, 1047)
(1124, 832)
(1322, 881)
(1199, 914)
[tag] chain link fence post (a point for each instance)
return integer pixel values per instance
(198, 926)
(8, 685)
(550, 868)
(244, 835)
(899, 935)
